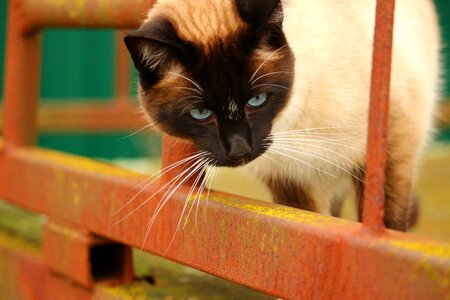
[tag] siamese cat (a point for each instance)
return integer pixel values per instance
(282, 87)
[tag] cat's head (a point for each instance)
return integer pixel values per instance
(215, 72)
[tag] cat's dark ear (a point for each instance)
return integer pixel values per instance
(256, 12)
(154, 45)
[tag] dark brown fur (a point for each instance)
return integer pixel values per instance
(292, 194)
(401, 209)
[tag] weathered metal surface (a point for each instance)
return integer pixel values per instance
(22, 71)
(70, 252)
(24, 276)
(444, 114)
(40, 14)
(90, 117)
(278, 250)
(378, 117)
(173, 151)
(123, 71)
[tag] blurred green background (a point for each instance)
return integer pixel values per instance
(69, 56)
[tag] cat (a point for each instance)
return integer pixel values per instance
(282, 88)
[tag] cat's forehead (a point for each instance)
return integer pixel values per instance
(201, 22)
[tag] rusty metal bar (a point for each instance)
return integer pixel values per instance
(40, 14)
(27, 277)
(83, 258)
(444, 114)
(281, 251)
(374, 193)
(91, 116)
(174, 150)
(88, 116)
(123, 71)
(22, 71)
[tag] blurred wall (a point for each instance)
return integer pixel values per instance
(69, 56)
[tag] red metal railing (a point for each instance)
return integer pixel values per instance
(378, 117)
(278, 250)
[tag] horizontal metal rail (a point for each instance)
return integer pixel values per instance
(92, 116)
(275, 249)
(35, 281)
(35, 15)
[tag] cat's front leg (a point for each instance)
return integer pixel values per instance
(293, 194)
(401, 207)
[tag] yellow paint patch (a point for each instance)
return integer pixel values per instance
(75, 8)
(17, 243)
(278, 211)
(70, 161)
(429, 249)
(430, 252)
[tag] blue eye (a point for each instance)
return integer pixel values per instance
(257, 100)
(200, 113)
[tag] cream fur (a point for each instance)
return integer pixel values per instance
(199, 23)
(332, 44)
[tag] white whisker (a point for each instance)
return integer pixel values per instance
(270, 84)
(179, 221)
(214, 172)
(202, 188)
(323, 137)
(188, 79)
(287, 144)
(275, 151)
(324, 134)
(269, 74)
(273, 161)
(189, 97)
(188, 88)
(136, 132)
(199, 164)
(323, 128)
(194, 185)
(162, 172)
(154, 194)
(193, 169)
(196, 196)
(321, 157)
(264, 62)
(319, 141)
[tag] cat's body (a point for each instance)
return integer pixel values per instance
(290, 81)
(331, 88)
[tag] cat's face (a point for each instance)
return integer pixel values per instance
(221, 90)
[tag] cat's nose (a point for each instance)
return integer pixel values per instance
(238, 146)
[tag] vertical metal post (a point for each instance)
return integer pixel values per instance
(174, 150)
(122, 79)
(22, 72)
(374, 193)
